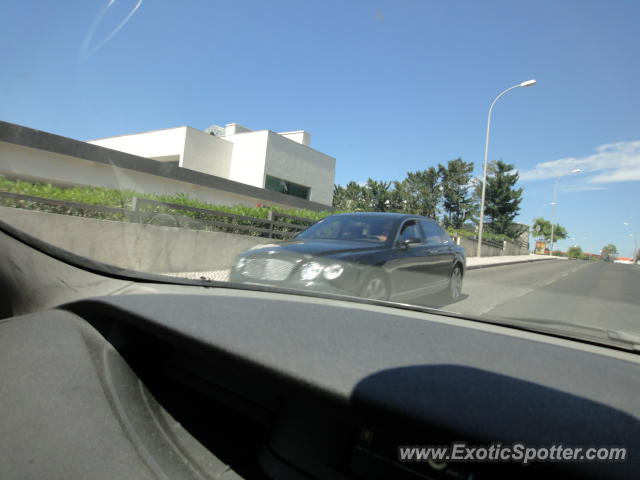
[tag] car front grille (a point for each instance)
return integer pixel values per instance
(267, 269)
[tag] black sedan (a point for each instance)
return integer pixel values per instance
(386, 256)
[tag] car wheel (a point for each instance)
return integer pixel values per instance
(375, 288)
(455, 284)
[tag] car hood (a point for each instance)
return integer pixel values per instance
(315, 247)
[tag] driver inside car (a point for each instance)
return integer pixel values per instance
(352, 232)
(382, 232)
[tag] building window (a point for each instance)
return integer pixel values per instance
(287, 187)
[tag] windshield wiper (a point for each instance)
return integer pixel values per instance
(630, 339)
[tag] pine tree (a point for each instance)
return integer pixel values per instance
(502, 199)
(458, 202)
(419, 193)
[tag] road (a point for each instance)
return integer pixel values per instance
(596, 294)
(585, 293)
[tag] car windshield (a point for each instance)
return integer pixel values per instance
(357, 228)
(478, 159)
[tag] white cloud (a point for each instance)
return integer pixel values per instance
(613, 162)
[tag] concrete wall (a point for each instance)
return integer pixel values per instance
(509, 248)
(234, 128)
(248, 157)
(158, 144)
(193, 148)
(206, 153)
(145, 248)
(299, 136)
(301, 164)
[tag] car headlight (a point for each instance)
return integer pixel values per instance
(310, 271)
(241, 263)
(331, 272)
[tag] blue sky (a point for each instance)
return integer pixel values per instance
(386, 87)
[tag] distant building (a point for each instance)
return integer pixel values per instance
(626, 260)
(250, 169)
(281, 162)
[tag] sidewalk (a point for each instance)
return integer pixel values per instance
(482, 262)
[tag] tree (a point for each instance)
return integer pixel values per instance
(574, 252)
(377, 196)
(542, 229)
(418, 193)
(609, 252)
(350, 198)
(458, 203)
(374, 196)
(502, 199)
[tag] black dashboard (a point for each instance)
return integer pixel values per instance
(153, 380)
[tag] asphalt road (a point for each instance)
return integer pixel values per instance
(591, 294)
(584, 293)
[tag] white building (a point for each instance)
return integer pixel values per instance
(282, 162)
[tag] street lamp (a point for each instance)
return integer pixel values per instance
(554, 204)
(635, 241)
(528, 83)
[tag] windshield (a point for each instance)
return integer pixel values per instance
(475, 158)
(356, 228)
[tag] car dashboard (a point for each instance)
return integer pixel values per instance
(156, 380)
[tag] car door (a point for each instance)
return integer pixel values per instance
(407, 266)
(439, 251)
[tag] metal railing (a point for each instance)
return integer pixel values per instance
(65, 207)
(276, 225)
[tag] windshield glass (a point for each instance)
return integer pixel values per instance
(357, 228)
(476, 158)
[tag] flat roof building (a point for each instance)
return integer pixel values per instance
(282, 162)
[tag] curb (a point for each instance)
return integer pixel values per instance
(505, 264)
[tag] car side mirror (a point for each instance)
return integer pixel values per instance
(408, 241)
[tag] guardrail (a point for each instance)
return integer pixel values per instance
(485, 241)
(271, 227)
(492, 243)
(65, 207)
(505, 247)
(276, 225)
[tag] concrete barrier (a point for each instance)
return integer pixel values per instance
(146, 248)
(159, 249)
(509, 248)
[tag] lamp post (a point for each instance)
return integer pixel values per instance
(635, 241)
(528, 83)
(554, 205)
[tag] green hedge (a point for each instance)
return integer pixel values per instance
(124, 199)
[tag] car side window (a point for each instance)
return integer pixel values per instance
(434, 235)
(444, 235)
(410, 229)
